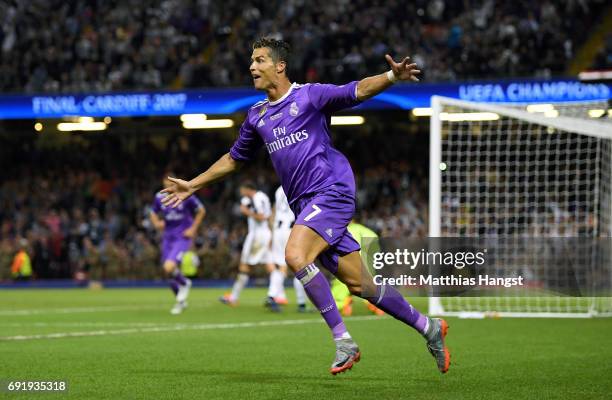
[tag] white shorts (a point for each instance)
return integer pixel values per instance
(256, 248)
(279, 242)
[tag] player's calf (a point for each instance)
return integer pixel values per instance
(389, 300)
(179, 284)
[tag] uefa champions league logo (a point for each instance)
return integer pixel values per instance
(293, 109)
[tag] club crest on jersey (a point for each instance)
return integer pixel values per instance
(293, 109)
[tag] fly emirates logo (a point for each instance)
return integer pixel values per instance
(282, 139)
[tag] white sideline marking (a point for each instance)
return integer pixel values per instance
(76, 310)
(82, 324)
(178, 327)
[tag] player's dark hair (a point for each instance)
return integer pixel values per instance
(279, 49)
(248, 185)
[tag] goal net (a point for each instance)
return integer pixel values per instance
(538, 179)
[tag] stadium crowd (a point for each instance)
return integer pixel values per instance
(84, 208)
(95, 45)
(83, 211)
(603, 60)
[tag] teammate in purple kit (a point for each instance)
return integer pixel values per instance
(179, 225)
(293, 125)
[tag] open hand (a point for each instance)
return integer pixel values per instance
(402, 70)
(177, 192)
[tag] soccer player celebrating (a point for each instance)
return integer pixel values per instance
(179, 226)
(255, 205)
(293, 124)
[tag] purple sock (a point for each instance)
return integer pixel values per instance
(318, 291)
(174, 286)
(178, 277)
(393, 303)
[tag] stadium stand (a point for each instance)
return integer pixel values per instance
(114, 45)
(95, 220)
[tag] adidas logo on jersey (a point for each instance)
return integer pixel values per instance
(329, 232)
(261, 123)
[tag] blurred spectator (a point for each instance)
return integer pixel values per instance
(603, 60)
(21, 268)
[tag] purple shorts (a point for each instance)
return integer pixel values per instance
(174, 248)
(329, 213)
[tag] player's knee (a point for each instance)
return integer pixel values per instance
(169, 266)
(295, 259)
(355, 290)
(244, 268)
(355, 285)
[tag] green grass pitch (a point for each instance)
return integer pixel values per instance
(124, 344)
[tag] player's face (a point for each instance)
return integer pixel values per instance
(263, 69)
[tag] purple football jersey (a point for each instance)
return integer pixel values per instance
(177, 219)
(295, 132)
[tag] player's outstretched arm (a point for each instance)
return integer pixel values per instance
(373, 85)
(182, 189)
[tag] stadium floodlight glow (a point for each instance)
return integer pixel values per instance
(422, 112)
(598, 113)
(469, 116)
(347, 120)
(192, 117)
(38, 127)
(540, 108)
(81, 126)
(595, 75)
(209, 124)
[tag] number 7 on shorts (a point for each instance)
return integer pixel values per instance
(316, 211)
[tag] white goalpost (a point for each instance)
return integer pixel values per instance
(524, 173)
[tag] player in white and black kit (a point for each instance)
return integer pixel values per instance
(256, 206)
(277, 267)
